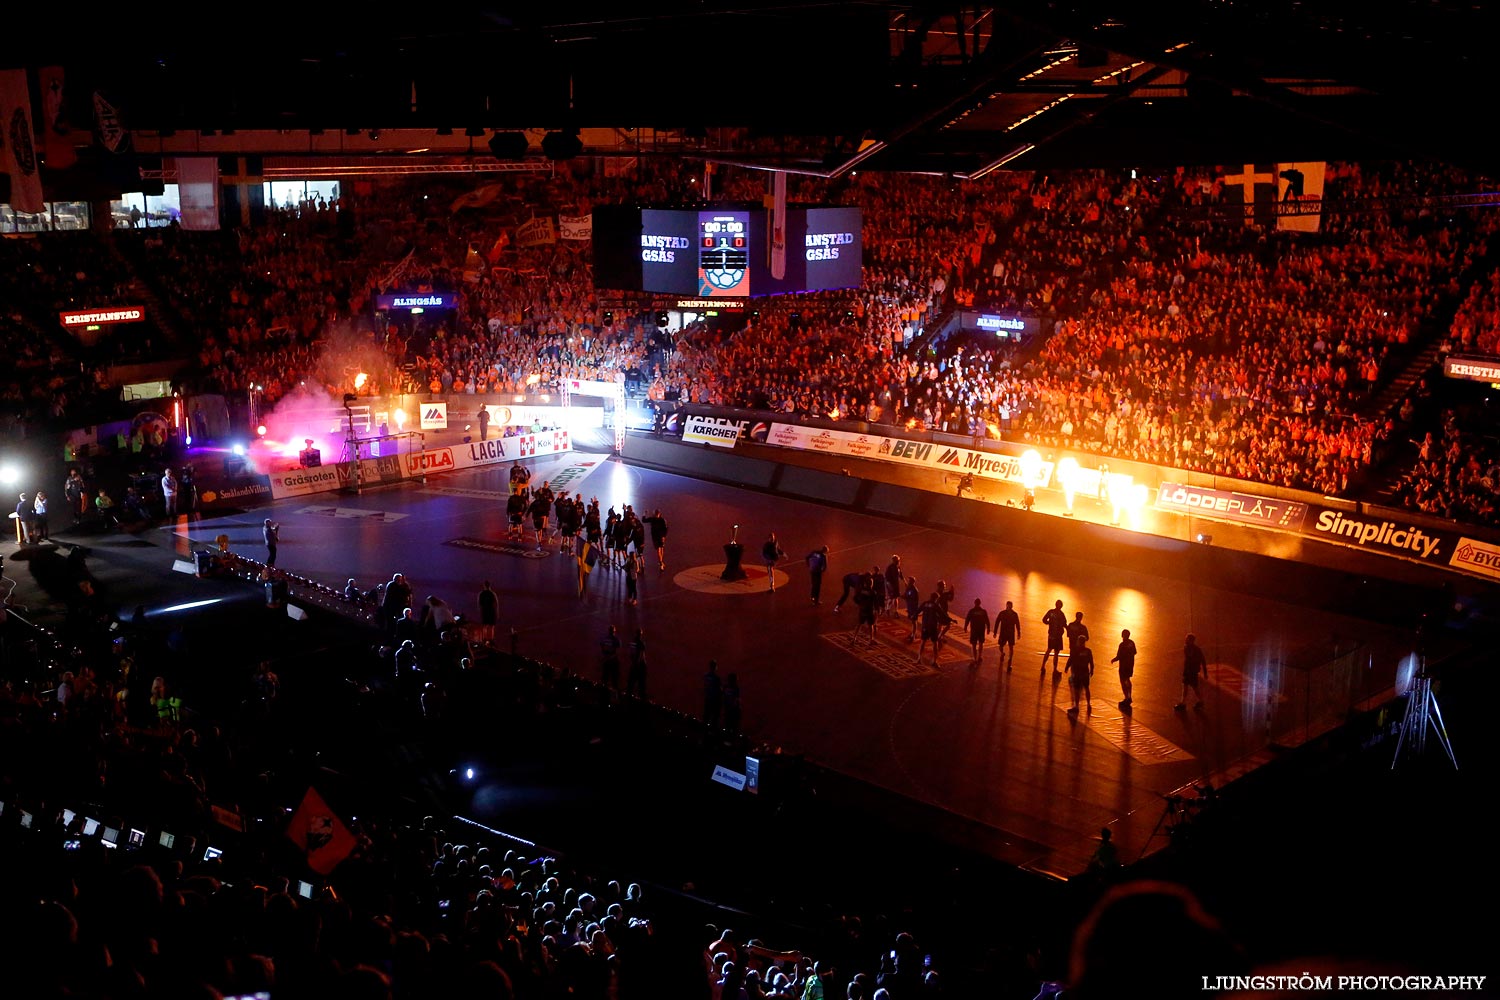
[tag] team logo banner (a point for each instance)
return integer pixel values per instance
(718, 431)
(1226, 505)
(17, 144)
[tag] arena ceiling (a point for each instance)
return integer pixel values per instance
(938, 87)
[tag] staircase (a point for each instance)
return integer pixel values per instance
(1398, 387)
(167, 321)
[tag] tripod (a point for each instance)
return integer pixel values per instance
(1421, 711)
(1173, 819)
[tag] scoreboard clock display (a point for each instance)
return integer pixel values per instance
(723, 254)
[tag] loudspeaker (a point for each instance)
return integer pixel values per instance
(509, 145)
(561, 145)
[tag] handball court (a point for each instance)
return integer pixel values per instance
(993, 752)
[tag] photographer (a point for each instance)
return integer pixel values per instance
(272, 534)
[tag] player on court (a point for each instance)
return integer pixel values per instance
(1007, 631)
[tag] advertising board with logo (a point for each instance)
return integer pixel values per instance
(432, 460)
(302, 482)
(718, 431)
(507, 449)
(504, 415)
(1226, 505)
(1374, 532)
(236, 491)
(1473, 556)
(434, 416)
(372, 472)
(945, 458)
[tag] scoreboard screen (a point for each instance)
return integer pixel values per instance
(724, 252)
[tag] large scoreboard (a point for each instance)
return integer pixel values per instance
(725, 252)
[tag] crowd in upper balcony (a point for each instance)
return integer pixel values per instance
(1170, 331)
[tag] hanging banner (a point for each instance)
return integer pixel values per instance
(778, 225)
(198, 191)
(434, 416)
(112, 133)
(57, 143)
(17, 143)
(1299, 196)
(575, 227)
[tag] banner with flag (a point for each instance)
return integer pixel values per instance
(319, 832)
(57, 142)
(575, 227)
(1253, 186)
(17, 143)
(778, 225)
(198, 191)
(501, 242)
(474, 264)
(1299, 196)
(109, 126)
(536, 232)
(477, 198)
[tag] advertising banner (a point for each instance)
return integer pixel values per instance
(238, 491)
(303, 482)
(372, 472)
(1375, 532)
(503, 449)
(718, 431)
(943, 458)
(504, 415)
(434, 416)
(584, 387)
(1226, 505)
(1474, 556)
